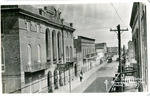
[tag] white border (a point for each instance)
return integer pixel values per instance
(23, 2)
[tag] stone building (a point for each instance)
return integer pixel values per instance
(86, 55)
(138, 24)
(33, 43)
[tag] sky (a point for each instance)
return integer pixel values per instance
(95, 20)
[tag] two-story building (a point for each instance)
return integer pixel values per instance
(86, 54)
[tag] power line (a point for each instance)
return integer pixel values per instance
(118, 14)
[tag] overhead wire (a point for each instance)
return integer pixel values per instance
(118, 14)
(91, 20)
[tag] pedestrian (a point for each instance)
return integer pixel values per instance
(81, 76)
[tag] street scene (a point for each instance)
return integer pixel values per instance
(74, 48)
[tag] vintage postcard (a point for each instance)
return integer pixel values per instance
(99, 47)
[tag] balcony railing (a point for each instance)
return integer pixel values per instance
(36, 66)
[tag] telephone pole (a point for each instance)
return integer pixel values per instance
(119, 48)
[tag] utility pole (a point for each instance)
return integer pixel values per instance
(119, 48)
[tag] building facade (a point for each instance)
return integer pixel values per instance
(86, 54)
(34, 42)
(101, 50)
(138, 23)
(112, 51)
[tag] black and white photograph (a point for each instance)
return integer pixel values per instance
(74, 47)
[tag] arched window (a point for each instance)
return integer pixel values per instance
(67, 53)
(39, 53)
(29, 54)
(54, 45)
(71, 57)
(59, 44)
(3, 59)
(47, 38)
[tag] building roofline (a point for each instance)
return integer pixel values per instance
(34, 14)
(86, 38)
(134, 7)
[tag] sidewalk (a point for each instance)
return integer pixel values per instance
(76, 82)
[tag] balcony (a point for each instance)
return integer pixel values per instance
(37, 66)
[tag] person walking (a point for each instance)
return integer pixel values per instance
(81, 76)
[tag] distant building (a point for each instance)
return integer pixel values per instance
(101, 50)
(112, 51)
(86, 55)
(33, 43)
(139, 38)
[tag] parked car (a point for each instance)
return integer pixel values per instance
(109, 60)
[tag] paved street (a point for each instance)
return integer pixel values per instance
(95, 83)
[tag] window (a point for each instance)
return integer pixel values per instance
(29, 54)
(38, 27)
(28, 26)
(2, 59)
(39, 53)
